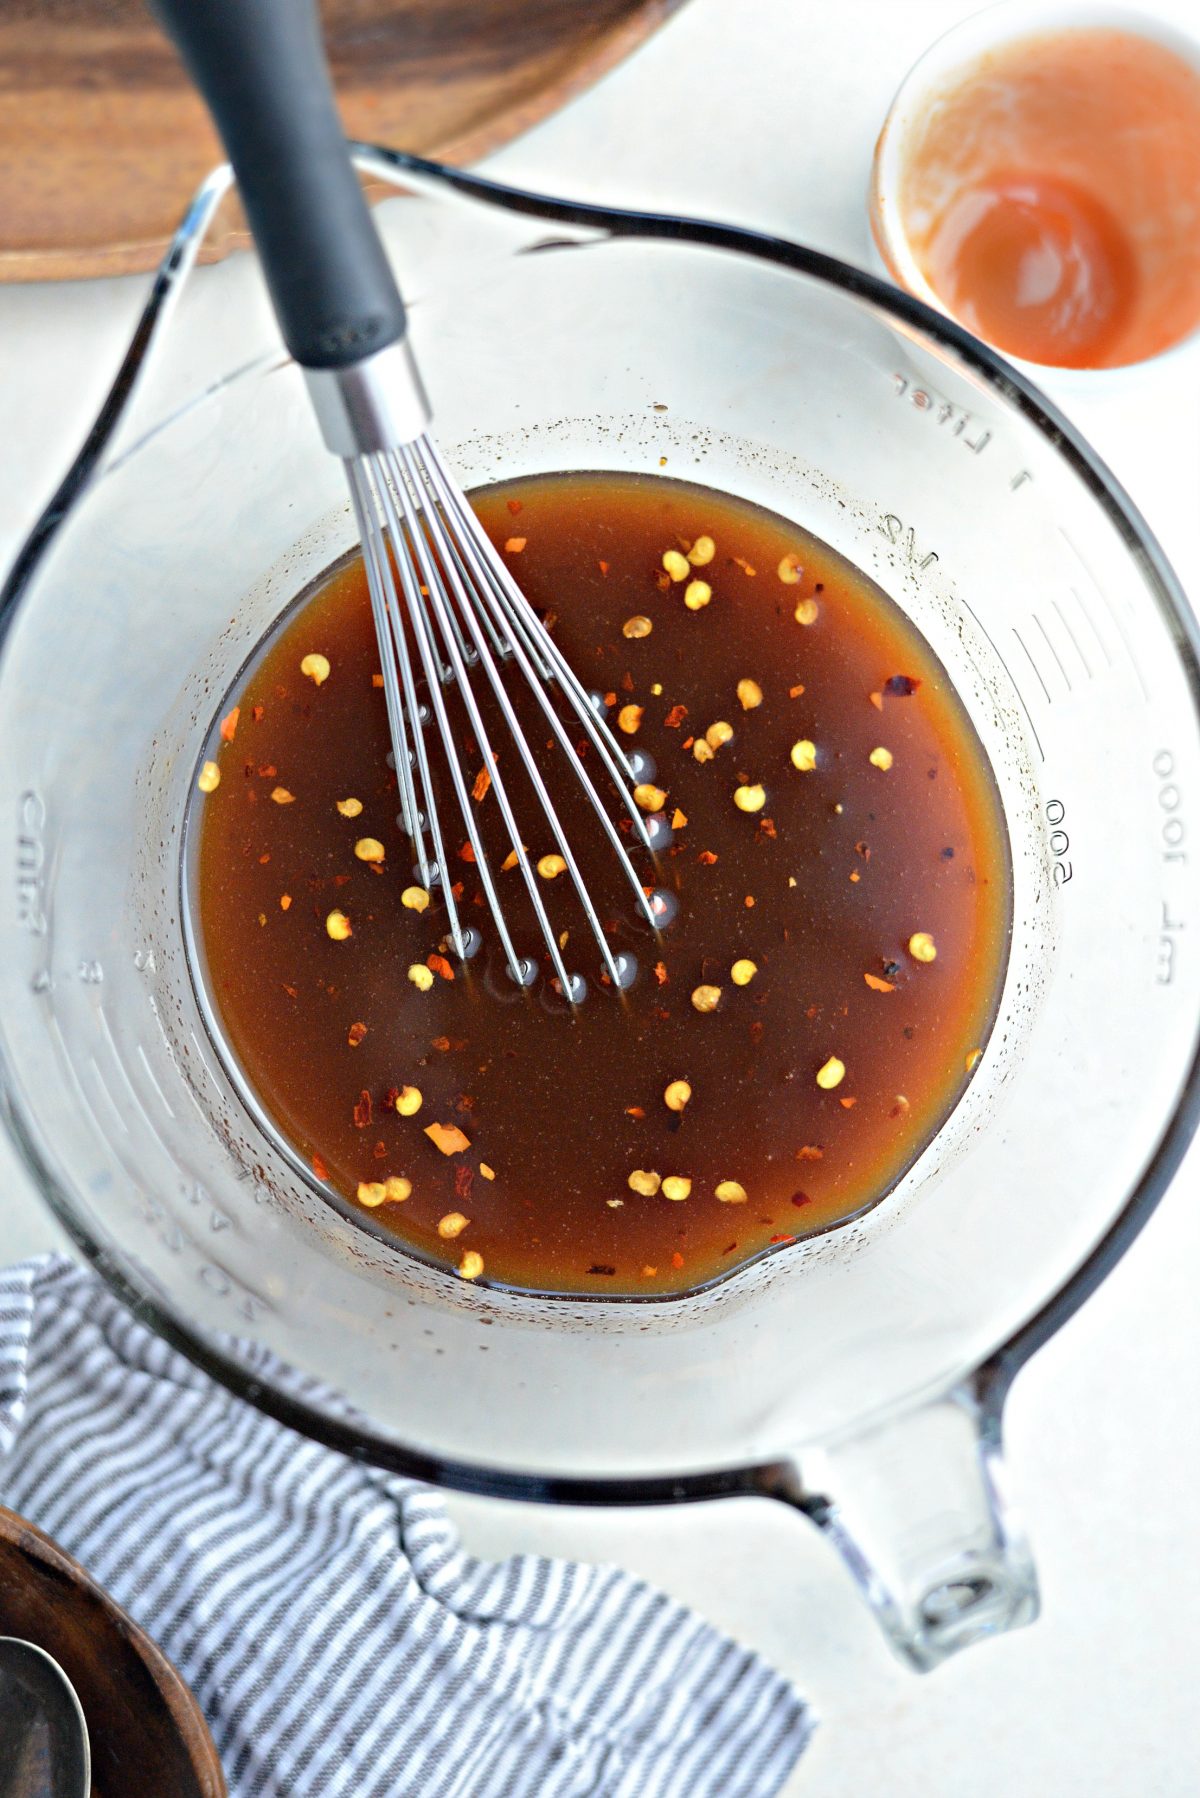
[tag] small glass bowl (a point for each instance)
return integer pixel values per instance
(952, 56)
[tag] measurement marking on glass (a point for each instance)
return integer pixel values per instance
(1053, 651)
(1116, 622)
(119, 1066)
(1041, 683)
(203, 1060)
(1060, 842)
(1077, 646)
(1168, 946)
(967, 607)
(102, 1087)
(1091, 624)
(142, 1057)
(81, 1093)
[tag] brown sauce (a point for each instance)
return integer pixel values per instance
(828, 890)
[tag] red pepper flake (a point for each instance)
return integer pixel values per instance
(357, 1032)
(877, 985)
(229, 725)
(464, 1179)
(514, 506)
(863, 849)
(877, 701)
(483, 781)
(675, 717)
(448, 1138)
(379, 1151)
(783, 1239)
(662, 580)
(290, 990)
(466, 853)
(603, 567)
(440, 965)
(741, 562)
(285, 902)
(339, 880)
(390, 1097)
(660, 973)
(377, 680)
(707, 858)
(848, 1104)
(795, 692)
(766, 828)
(441, 1043)
(362, 1110)
(810, 1152)
(514, 545)
(676, 1259)
(749, 902)
(627, 682)
(267, 771)
(900, 686)
(263, 860)
(610, 700)
(257, 712)
(635, 1111)
(855, 876)
(801, 1198)
(756, 1031)
(319, 1168)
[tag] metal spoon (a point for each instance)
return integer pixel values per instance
(44, 1750)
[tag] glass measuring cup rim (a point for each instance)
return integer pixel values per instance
(579, 224)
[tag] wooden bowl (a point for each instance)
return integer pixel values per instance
(103, 140)
(148, 1736)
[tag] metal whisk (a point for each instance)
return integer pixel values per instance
(447, 612)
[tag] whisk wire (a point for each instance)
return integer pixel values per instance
(501, 593)
(429, 561)
(401, 508)
(439, 534)
(390, 630)
(523, 661)
(501, 588)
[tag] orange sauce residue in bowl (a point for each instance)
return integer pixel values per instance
(1051, 196)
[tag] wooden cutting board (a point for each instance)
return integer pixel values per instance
(102, 141)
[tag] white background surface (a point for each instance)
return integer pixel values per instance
(764, 112)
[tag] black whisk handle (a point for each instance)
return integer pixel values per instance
(260, 67)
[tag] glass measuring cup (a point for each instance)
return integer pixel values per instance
(859, 1376)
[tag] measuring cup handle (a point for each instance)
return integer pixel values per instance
(915, 1507)
(261, 69)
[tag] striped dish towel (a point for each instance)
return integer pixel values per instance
(339, 1640)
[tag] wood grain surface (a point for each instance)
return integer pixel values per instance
(149, 1739)
(102, 141)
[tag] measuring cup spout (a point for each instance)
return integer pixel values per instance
(915, 1507)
